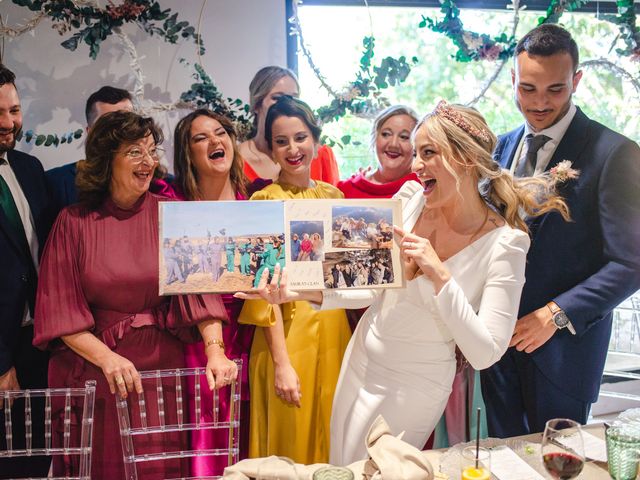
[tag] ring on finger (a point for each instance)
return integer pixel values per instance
(119, 380)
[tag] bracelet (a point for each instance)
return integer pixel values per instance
(214, 341)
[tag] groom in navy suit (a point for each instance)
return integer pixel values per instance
(577, 272)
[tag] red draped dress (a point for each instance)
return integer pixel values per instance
(99, 273)
(358, 186)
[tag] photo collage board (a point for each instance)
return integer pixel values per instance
(224, 247)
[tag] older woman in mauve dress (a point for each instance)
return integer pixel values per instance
(98, 307)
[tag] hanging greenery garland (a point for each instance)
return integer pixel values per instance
(557, 7)
(205, 94)
(363, 96)
(95, 24)
(629, 30)
(47, 140)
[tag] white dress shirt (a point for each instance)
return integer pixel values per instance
(25, 215)
(555, 132)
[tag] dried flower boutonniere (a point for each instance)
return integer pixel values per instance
(563, 172)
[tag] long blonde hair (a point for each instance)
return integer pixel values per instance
(465, 140)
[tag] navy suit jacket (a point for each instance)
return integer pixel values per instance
(590, 264)
(14, 261)
(62, 186)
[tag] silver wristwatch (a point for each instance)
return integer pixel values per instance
(560, 318)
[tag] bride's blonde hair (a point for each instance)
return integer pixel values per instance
(464, 139)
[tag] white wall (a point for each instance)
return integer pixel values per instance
(240, 36)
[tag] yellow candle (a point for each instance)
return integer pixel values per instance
(471, 473)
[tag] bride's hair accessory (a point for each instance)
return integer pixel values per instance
(444, 110)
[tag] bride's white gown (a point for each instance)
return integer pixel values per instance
(400, 362)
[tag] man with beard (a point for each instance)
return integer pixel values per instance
(577, 272)
(24, 224)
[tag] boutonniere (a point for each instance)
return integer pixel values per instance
(563, 172)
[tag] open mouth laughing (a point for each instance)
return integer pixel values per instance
(217, 154)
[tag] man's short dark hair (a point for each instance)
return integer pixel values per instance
(549, 39)
(6, 76)
(106, 94)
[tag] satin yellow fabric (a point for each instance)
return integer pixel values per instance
(316, 342)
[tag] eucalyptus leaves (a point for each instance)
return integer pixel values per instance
(93, 24)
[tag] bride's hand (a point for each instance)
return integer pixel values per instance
(420, 251)
(274, 292)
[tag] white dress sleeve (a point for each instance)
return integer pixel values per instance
(349, 299)
(484, 337)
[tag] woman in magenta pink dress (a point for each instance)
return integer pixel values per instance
(98, 307)
(208, 167)
(391, 142)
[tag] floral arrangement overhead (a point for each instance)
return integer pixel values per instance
(472, 46)
(93, 24)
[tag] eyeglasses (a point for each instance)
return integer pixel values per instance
(137, 155)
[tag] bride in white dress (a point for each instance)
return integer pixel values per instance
(464, 262)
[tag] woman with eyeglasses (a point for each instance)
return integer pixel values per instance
(98, 308)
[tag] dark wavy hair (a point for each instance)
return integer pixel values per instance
(186, 175)
(549, 39)
(109, 133)
(287, 106)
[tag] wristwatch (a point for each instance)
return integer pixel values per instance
(560, 318)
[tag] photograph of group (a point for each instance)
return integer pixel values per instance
(219, 247)
(224, 247)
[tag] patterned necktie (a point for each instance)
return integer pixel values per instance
(527, 166)
(8, 204)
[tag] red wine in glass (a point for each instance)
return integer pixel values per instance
(562, 448)
(563, 465)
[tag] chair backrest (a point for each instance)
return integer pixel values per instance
(625, 332)
(31, 400)
(185, 388)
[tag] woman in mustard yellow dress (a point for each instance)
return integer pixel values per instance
(296, 355)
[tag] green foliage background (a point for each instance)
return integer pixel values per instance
(601, 94)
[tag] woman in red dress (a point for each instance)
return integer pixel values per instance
(207, 166)
(391, 141)
(98, 307)
(269, 84)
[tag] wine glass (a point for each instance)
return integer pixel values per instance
(563, 448)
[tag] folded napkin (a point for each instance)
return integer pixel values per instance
(390, 459)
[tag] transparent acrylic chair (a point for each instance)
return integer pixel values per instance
(624, 347)
(26, 399)
(187, 385)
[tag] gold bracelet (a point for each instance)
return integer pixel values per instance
(214, 341)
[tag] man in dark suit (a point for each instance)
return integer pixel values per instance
(577, 272)
(62, 180)
(24, 224)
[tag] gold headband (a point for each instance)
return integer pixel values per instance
(444, 110)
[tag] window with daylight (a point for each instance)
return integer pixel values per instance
(334, 36)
